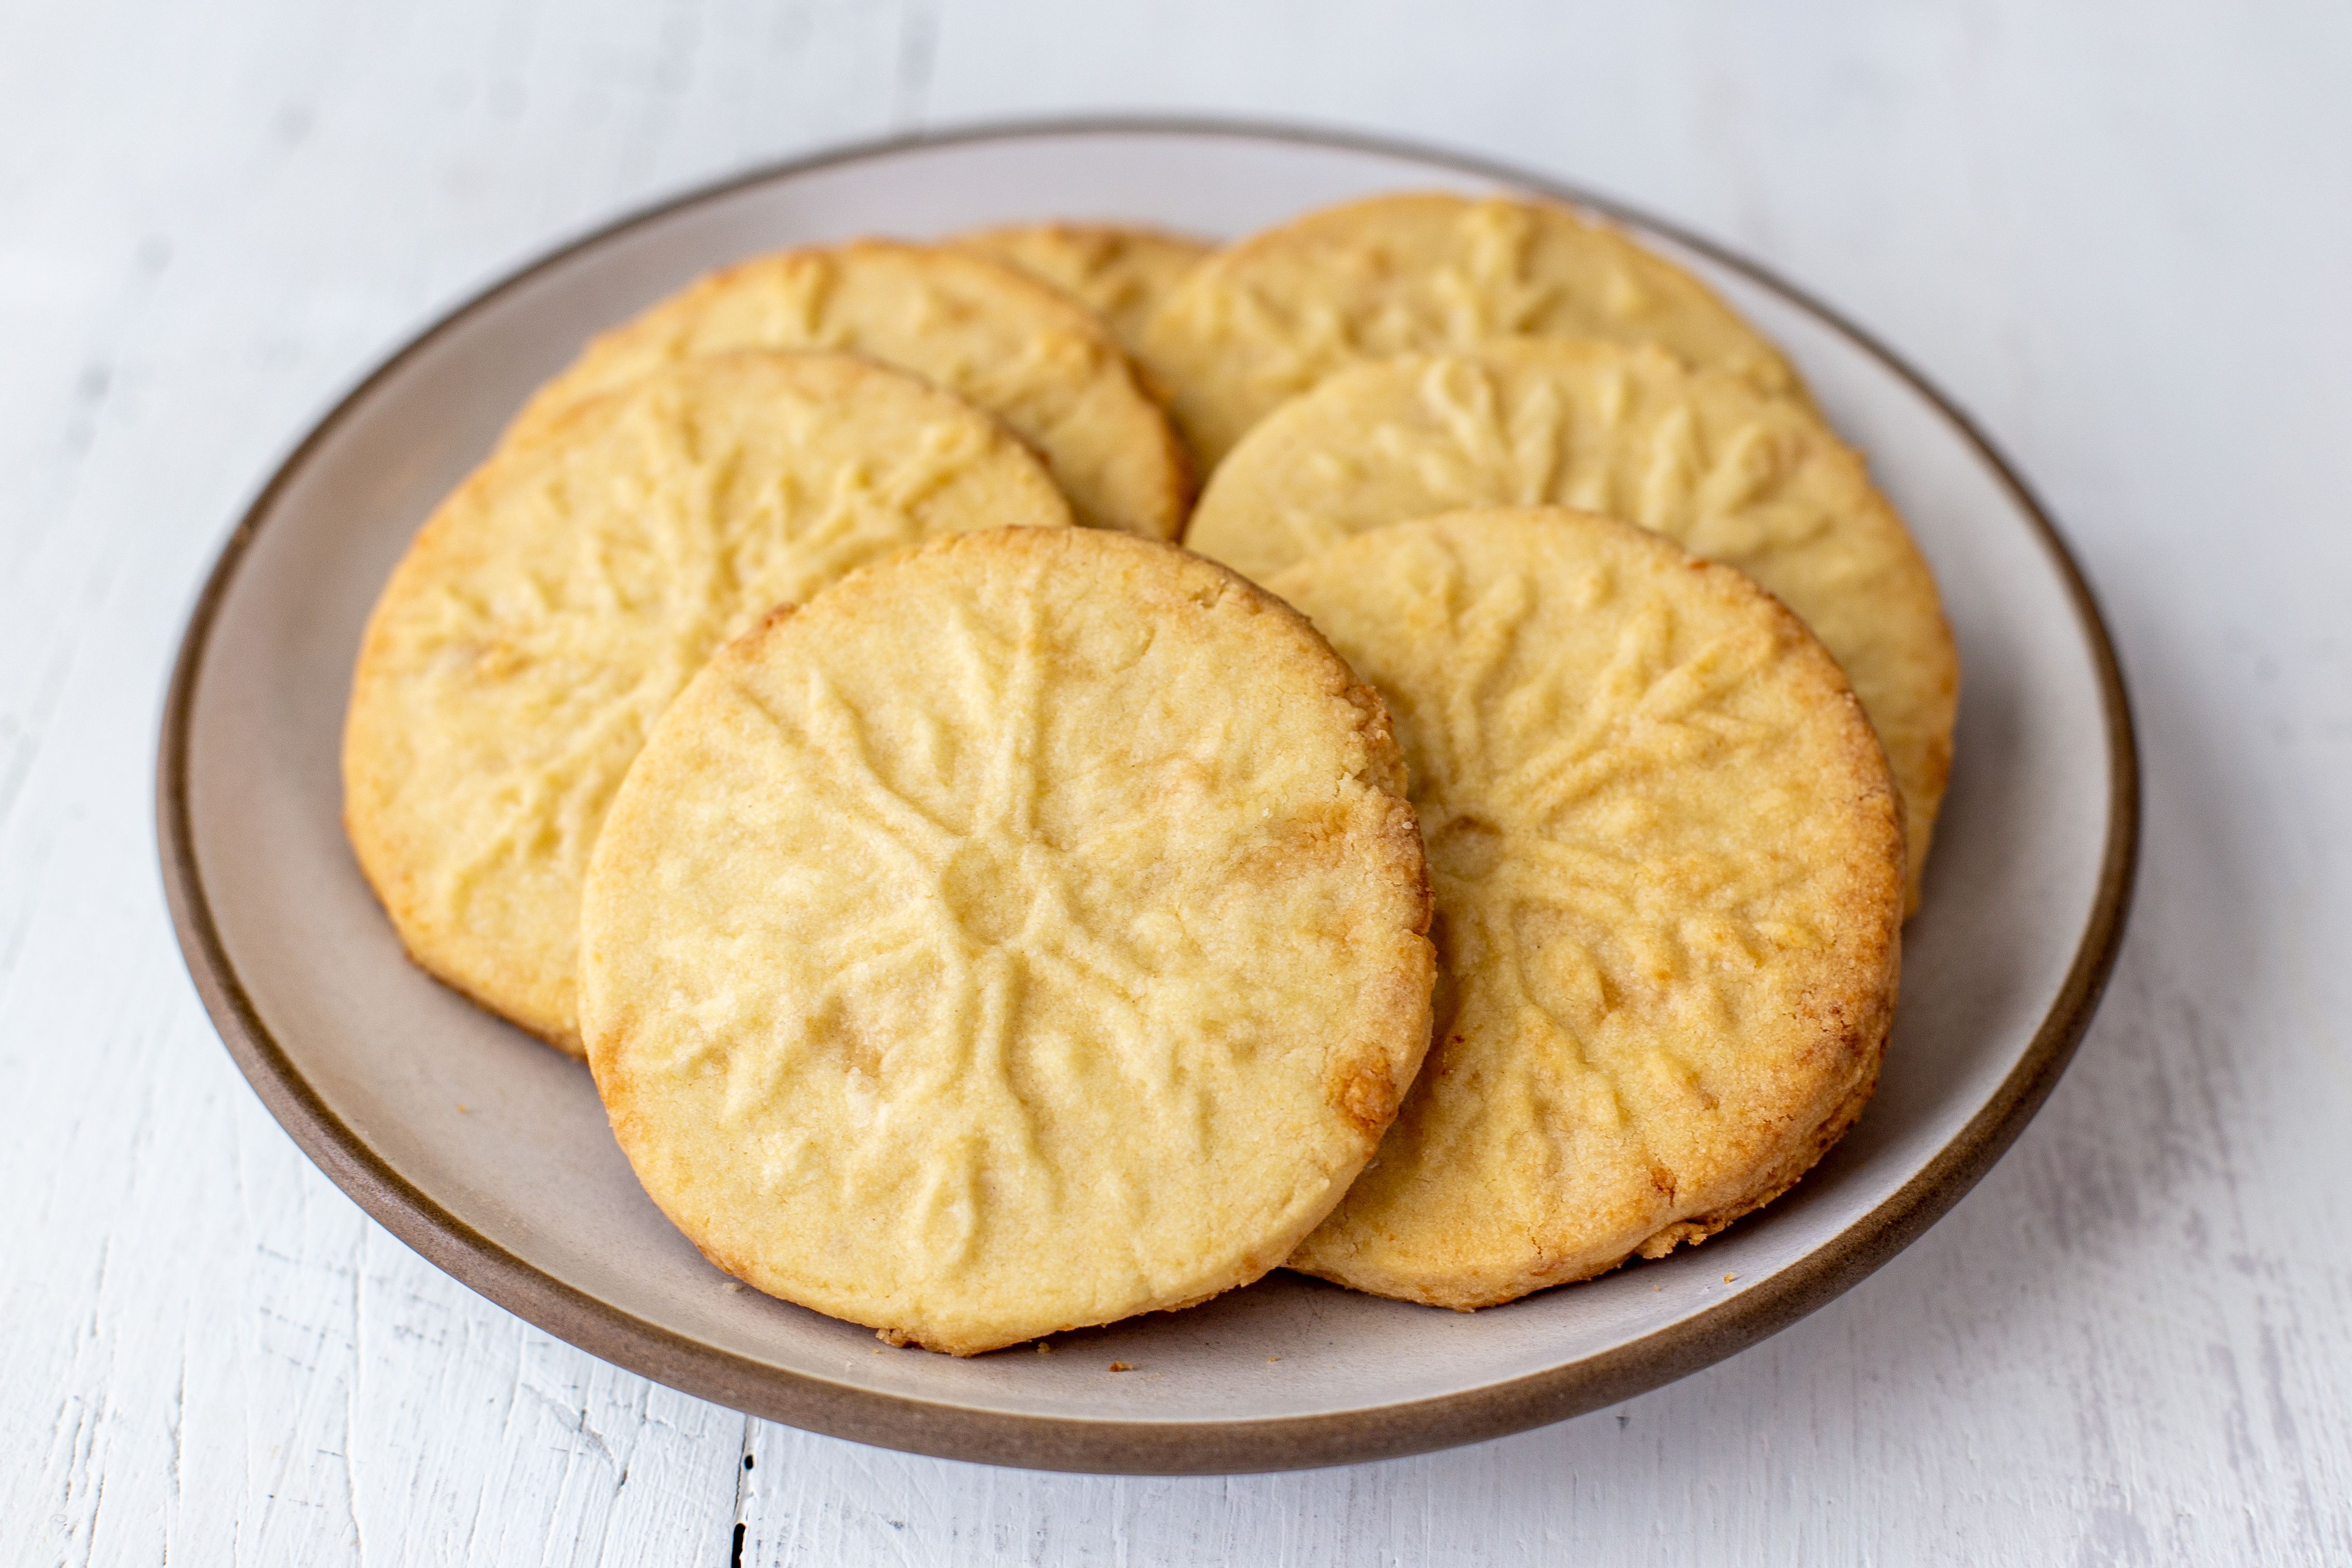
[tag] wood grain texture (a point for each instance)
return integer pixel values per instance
(2118, 239)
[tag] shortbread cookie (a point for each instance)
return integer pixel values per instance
(1266, 320)
(1025, 933)
(564, 593)
(1669, 884)
(997, 337)
(1755, 481)
(1119, 271)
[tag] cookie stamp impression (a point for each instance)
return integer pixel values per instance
(1668, 876)
(1015, 348)
(1267, 319)
(1742, 477)
(1026, 933)
(556, 602)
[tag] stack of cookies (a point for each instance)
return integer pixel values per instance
(1474, 854)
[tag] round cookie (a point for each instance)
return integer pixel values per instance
(997, 337)
(1668, 877)
(1752, 480)
(1025, 933)
(1121, 272)
(558, 599)
(1264, 321)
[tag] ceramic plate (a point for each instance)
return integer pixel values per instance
(489, 1153)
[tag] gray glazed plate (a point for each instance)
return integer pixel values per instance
(522, 1194)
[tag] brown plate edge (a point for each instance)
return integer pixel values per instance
(844, 1410)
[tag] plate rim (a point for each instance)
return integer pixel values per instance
(945, 1430)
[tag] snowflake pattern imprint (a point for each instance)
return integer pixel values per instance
(1666, 862)
(1028, 932)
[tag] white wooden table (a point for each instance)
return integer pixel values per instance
(2121, 237)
